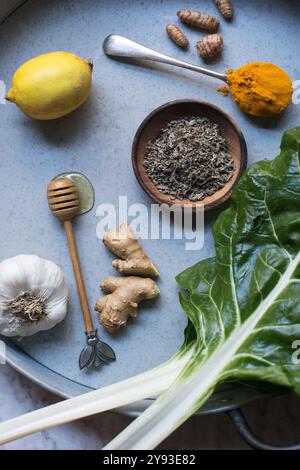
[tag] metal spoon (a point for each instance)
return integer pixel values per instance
(120, 46)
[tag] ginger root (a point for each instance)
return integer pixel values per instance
(122, 302)
(133, 260)
(125, 293)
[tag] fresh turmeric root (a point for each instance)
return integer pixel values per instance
(198, 20)
(210, 46)
(225, 8)
(122, 302)
(133, 260)
(177, 35)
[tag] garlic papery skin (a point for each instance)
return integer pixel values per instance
(42, 279)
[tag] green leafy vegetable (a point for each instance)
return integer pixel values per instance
(243, 305)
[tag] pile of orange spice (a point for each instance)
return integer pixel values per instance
(260, 88)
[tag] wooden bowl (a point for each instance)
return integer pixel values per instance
(150, 129)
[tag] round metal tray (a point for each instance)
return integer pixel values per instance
(96, 140)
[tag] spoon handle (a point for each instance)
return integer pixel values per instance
(119, 46)
(88, 322)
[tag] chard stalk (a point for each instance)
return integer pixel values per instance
(146, 385)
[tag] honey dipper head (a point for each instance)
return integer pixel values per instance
(63, 198)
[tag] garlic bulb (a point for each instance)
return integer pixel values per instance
(33, 295)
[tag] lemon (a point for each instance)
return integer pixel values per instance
(51, 85)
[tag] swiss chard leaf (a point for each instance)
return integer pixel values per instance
(256, 282)
(243, 305)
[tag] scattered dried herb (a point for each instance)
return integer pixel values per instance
(189, 159)
(28, 307)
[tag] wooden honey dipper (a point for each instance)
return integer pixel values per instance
(64, 202)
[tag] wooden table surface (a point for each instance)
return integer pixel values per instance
(276, 420)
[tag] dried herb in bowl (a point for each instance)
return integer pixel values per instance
(189, 159)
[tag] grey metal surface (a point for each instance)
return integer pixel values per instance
(7, 7)
(96, 140)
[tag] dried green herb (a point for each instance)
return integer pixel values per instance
(27, 306)
(189, 159)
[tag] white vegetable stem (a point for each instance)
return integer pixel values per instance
(142, 386)
(166, 414)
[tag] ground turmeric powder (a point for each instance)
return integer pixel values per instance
(260, 88)
(224, 90)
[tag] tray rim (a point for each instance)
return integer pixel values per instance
(231, 396)
(9, 7)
